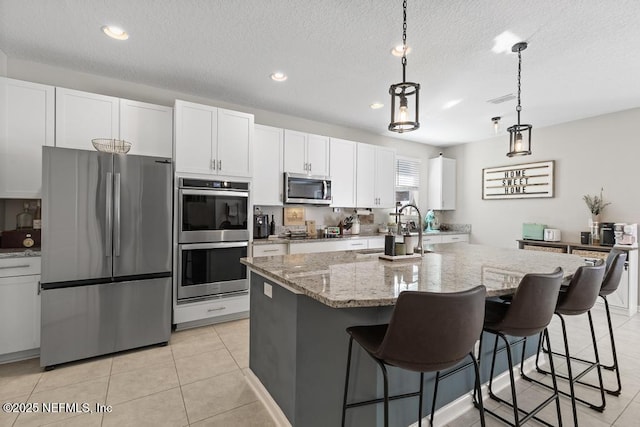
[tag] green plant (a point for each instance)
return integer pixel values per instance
(595, 203)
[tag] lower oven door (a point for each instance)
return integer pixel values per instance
(211, 269)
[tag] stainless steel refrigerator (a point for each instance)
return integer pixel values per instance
(106, 253)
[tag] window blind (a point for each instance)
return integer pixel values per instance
(407, 173)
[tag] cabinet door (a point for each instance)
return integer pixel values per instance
(267, 185)
(448, 184)
(385, 175)
(295, 151)
(19, 313)
(83, 116)
(318, 155)
(235, 143)
(343, 172)
(366, 174)
(196, 128)
(148, 127)
(26, 124)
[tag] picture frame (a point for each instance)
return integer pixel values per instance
(521, 181)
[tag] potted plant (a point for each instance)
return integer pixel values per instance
(596, 205)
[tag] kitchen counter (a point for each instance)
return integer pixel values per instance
(301, 305)
(361, 279)
(19, 252)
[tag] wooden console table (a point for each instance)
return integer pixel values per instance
(626, 297)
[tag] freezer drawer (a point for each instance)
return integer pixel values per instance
(86, 321)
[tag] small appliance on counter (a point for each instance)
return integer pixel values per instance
(552, 235)
(260, 226)
(607, 236)
(626, 234)
(531, 231)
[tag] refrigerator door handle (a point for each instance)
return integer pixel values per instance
(116, 214)
(109, 215)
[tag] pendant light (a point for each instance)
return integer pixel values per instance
(404, 96)
(519, 135)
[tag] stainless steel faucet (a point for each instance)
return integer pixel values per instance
(420, 246)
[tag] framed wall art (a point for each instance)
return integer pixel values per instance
(522, 181)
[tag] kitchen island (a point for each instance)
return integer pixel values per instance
(301, 305)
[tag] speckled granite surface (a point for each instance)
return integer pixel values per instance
(18, 253)
(361, 279)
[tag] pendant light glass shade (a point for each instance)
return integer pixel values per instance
(405, 95)
(519, 134)
(404, 107)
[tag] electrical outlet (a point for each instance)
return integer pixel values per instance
(268, 290)
(336, 210)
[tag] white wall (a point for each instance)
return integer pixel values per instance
(55, 76)
(589, 154)
(3, 64)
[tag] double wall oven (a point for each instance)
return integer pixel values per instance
(213, 235)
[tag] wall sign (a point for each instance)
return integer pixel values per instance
(523, 181)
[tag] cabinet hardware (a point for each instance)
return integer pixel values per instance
(213, 164)
(15, 266)
(39, 287)
(310, 167)
(271, 250)
(215, 309)
(219, 165)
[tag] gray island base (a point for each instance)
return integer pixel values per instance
(302, 304)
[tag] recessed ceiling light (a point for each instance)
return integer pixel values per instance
(115, 32)
(279, 76)
(397, 51)
(451, 103)
(376, 105)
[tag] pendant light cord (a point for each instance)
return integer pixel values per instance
(404, 41)
(519, 106)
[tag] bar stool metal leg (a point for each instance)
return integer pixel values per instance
(614, 366)
(346, 382)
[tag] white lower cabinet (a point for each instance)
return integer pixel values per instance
(430, 239)
(199, 311)
(270, 249)
(337, 245)
(19, 305)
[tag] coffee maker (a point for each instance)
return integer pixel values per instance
(260, 226)
(607, 235)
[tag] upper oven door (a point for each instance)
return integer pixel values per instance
(314, 190)
(213, 216)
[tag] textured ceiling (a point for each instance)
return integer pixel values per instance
(582, 58)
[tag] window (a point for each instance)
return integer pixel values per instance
(407, 180)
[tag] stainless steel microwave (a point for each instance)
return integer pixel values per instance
(301, 188)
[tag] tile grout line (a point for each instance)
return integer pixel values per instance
(175, 366)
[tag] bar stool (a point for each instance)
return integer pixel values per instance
(428, 332)
(614, 267)
(577, 298)
(528, 313)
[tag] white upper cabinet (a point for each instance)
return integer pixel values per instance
(442, 183)
(306, 153)
(385, 177)
(235, 143)
(375, 176)
(148, 127)
(83, 116)
(26, 124)
(213, 141)
(343, 172)
(268, 170)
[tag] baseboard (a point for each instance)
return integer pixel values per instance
(212, 320)
(20, 355)
(272, 407)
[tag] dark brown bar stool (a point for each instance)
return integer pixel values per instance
(614, 267)
(528, 313)
(428, 332)
(577, 298)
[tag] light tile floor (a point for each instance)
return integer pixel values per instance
(198, 380)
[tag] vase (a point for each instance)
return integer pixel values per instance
(595, 217)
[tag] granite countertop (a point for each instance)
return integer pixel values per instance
(19, 252)
(361, 279)
(347, 236)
